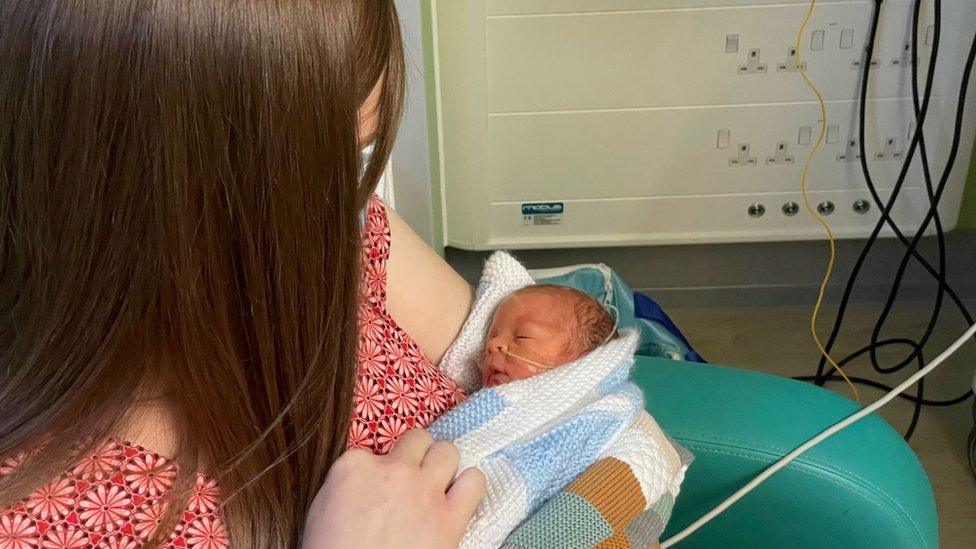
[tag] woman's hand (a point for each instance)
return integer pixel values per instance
(403, 499)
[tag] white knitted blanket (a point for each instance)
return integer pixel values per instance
(532, 437)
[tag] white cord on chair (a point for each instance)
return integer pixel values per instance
(820, 438)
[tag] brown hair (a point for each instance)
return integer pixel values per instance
(179, 208)
(594, 324)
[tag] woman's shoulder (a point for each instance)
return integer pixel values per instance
(115, 496)
(376, 232)
(424, 294)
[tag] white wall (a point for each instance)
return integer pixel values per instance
(411, 155)
(579, 123)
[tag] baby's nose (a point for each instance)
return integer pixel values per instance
(496, 345)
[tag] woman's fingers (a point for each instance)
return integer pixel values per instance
(466, 492)
(438, 463)
(412, 447)
(366, 499)
(441, 462)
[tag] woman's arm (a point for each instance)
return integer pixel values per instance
(424, 295)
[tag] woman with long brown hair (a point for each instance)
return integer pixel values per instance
(201, 306)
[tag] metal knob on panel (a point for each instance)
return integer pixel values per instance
(862, 206)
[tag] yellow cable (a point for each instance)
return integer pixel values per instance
(816, 215)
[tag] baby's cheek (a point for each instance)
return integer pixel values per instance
(517, 370)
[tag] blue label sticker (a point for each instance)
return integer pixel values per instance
(543, 208)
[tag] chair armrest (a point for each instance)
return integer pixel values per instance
(863, 488)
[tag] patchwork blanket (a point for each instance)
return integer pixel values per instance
(571, 458)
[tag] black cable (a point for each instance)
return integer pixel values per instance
(887, 389)
(886, 208)
(917, 411)
(932, 215)
(933, 209)
(971, 444)
(920, 116)
(878, 385)
(934, 197)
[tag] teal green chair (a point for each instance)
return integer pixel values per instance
(863, 488)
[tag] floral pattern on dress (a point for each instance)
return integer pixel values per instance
(17, 531)
(398, 387)
(113, 498)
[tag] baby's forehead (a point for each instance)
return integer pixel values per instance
(552, 302)
(542, 297)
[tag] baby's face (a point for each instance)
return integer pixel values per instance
(536, 325)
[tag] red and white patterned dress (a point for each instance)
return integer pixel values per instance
(398, 387)
(113, 499)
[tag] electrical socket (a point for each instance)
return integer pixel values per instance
(753, 64)
(857, 64)
(781, 156)
(905, 59)
(852, 154)
(790, 65)
(743, 158)
(890, 151)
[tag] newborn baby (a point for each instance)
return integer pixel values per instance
(540, 327)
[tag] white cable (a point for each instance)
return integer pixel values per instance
(820, 438)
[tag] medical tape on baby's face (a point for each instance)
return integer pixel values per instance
(616, 324)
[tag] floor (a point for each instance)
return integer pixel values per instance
(742, 337)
